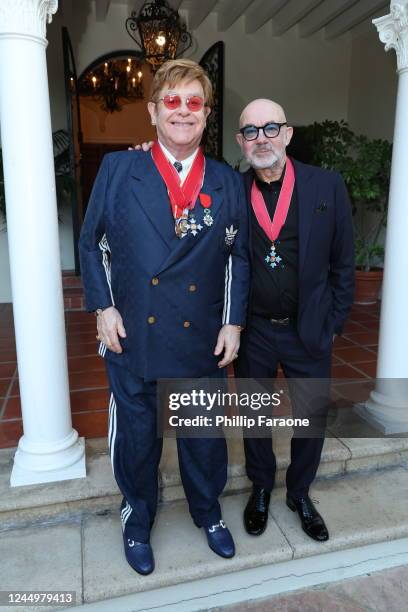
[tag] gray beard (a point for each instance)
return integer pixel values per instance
(264, 165)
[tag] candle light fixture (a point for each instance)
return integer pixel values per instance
(113, 83)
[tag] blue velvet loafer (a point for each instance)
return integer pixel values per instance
(139, 555)
(220, 540)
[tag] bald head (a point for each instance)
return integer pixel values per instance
(264, 150)
(260, 111)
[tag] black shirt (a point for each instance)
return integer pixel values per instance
(275, 290)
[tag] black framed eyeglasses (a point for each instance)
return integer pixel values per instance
(270, 129)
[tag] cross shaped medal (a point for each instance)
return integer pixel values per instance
(272, 259)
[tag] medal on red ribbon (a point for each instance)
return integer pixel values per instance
(273, 227)
(183, 196)
(205, 200)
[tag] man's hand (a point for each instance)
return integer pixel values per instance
(110, 326)
(145, 146)
(228, 341)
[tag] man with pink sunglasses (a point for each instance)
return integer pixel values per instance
(165, 267)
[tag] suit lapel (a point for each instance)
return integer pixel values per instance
(151, 193)
(306, 197)
(212, 186)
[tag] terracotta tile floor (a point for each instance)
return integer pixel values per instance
(354, 357)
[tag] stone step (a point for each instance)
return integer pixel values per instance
(84, 553)
(52, 501)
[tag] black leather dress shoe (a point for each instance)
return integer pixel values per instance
(256, 511)
(312, 522)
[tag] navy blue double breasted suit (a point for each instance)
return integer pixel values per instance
(303, 349)
(174, 295)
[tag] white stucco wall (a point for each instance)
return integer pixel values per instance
(312, 78)
(373, 86)
(308, 76)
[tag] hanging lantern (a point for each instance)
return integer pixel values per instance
(161, 34)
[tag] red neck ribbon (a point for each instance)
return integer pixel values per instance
(185, 195)
(273, 228)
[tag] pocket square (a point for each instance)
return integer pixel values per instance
(322, 207)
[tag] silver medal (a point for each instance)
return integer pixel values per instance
(207, 219)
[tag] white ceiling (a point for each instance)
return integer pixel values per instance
(334, 17)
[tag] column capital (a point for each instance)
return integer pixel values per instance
(26, 17)
(393, 31)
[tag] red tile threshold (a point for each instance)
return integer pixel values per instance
(341, 341)
(7, 370)
(363, 316)
(12, 409)
(81, 337)
(365, 338)
(82, 350)
(355, 354)
(369, 369)
(369, 325)
(10, 433)
(4, 386)
(80, 328)
(77, 316)
(91, 424)
(8, 356)
(8, 344)
(355, 391)
(86, 364)
(87, 380)
(347, 371)
(352, 326)
(91, 400)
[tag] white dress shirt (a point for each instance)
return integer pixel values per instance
(186, 163)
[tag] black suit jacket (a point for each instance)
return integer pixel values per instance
(326, 255)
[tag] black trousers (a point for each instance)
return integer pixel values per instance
(264, 346)
(136, 448)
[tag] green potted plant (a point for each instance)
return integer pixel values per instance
(365, 165)
(64, 183)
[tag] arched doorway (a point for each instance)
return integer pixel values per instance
(113, 95)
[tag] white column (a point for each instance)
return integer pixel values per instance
(387, 408)
(50, 449)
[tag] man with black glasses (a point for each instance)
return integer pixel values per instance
(302, 255)
(302, 290)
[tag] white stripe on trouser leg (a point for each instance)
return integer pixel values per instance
(227, 292)
(104, 246)
(112, 430)
(124, 515)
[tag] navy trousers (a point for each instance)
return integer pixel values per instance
(135, 449)
(264, 346)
